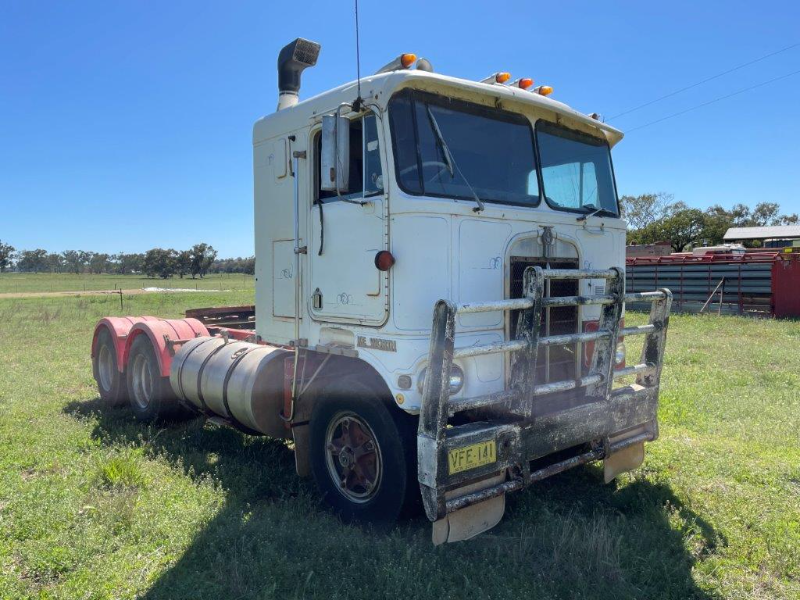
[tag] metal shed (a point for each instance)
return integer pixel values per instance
(774, 236)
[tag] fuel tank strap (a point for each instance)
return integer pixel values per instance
(244, 352)
(200, 375)
(180, 391)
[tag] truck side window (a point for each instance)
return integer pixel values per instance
(405, 143)
(366, 174)
(373, 172)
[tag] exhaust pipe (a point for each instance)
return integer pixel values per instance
(293, 58)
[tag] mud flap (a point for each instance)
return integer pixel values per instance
(626, 459)
(302, 450)
(471, 521)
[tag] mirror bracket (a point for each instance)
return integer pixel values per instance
(335, 154)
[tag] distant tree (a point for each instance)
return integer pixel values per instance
(740, 215)
(55, 262)
(202, 257)
(70, 258)
(792, 219)
(125, 264)
(75, 260)
(85, 259)
(234, 265)
(683, 229)
(7, 254)
(646, 235)
(183, 263)
(115, 261)
(766, 214)
(160, 263)
(99, 263)
(645, 209)
(136, 262)
(715, 223)
(769, 214)
(32, 261)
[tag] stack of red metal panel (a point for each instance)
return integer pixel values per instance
(765, 283)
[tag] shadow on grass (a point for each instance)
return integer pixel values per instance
(567, 537)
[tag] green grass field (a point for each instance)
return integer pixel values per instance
(29, 283)
(93, 505)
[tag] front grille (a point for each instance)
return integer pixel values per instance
(554, 363)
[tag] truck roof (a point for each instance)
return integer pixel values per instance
(382, 86)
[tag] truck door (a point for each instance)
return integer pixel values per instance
(347, 231)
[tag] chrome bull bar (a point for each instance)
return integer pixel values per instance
(519, 437)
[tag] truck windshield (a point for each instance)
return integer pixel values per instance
(445, 147)
(576, 170)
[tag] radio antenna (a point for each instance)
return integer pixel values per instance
(358, 102)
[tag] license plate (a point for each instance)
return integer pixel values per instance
(470, 457)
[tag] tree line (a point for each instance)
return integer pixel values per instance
(198, 261)
(651, 218)
(660, 218)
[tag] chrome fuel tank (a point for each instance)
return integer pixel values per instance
(239, 381)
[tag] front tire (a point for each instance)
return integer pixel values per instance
(151, 396)
(363, 454)
(110, 381)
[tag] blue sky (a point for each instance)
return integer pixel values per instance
(126, 125)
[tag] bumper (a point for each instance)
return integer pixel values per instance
(509, 441)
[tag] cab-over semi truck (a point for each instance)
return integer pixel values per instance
(439, 300)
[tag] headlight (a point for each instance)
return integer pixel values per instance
(619, 357)
(456, 379)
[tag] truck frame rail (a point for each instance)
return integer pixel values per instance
(505, 425)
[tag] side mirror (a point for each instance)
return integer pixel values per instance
(335, 155)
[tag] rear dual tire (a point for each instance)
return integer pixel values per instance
(110, 381)
(151, 396)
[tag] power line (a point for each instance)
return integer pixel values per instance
(742, 91)
(694, 85)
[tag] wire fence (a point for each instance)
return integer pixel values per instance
(33, 283)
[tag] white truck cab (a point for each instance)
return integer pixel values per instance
(541, 170)
(439, 299)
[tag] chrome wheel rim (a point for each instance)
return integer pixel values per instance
(142, 382)
(353, 457)
(105, 368)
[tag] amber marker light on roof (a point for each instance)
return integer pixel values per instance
(407, 60)
(544, 90)
(404, 61)
(523, 83)
(499, 77)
